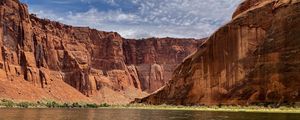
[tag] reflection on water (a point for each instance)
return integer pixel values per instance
(122, 114)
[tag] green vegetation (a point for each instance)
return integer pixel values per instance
(218, 108)
(92, 105)
(24, 104)
(49, 104)
(104, 105)
(52, 104)
(259, 107)
(7, 103)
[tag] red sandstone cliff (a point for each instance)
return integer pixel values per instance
(156, 59)
(41, 60)
(254, 58)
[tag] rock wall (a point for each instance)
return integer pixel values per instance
(156, 59)
(253, 59)
(60, 62)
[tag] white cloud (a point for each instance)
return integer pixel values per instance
(159, 18)
(100, 20)
(112, 2)
(48, 14)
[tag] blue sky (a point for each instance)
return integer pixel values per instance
(140, 18)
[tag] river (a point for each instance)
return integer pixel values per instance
(131, 114)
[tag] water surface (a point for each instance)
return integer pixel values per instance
(129, 114)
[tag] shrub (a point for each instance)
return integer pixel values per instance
(92, 105)
(220, 105)
(52, 104)
(104, 105)
(65, 105)
(7, 103)
(76, 105)
(23, 104)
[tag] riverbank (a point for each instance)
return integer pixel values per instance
(257, 109)
(52, 104)
(48, 104)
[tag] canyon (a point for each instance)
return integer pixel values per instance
(253, 59)
(46, 60)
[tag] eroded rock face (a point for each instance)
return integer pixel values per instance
(65, 63)
(156, 59)
(254, 58)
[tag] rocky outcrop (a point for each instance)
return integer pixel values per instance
(156, 59)
(60, 62)
(254, 58)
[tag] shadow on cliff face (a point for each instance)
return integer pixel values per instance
(252, 59)
(274, 78)
(290, 57)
